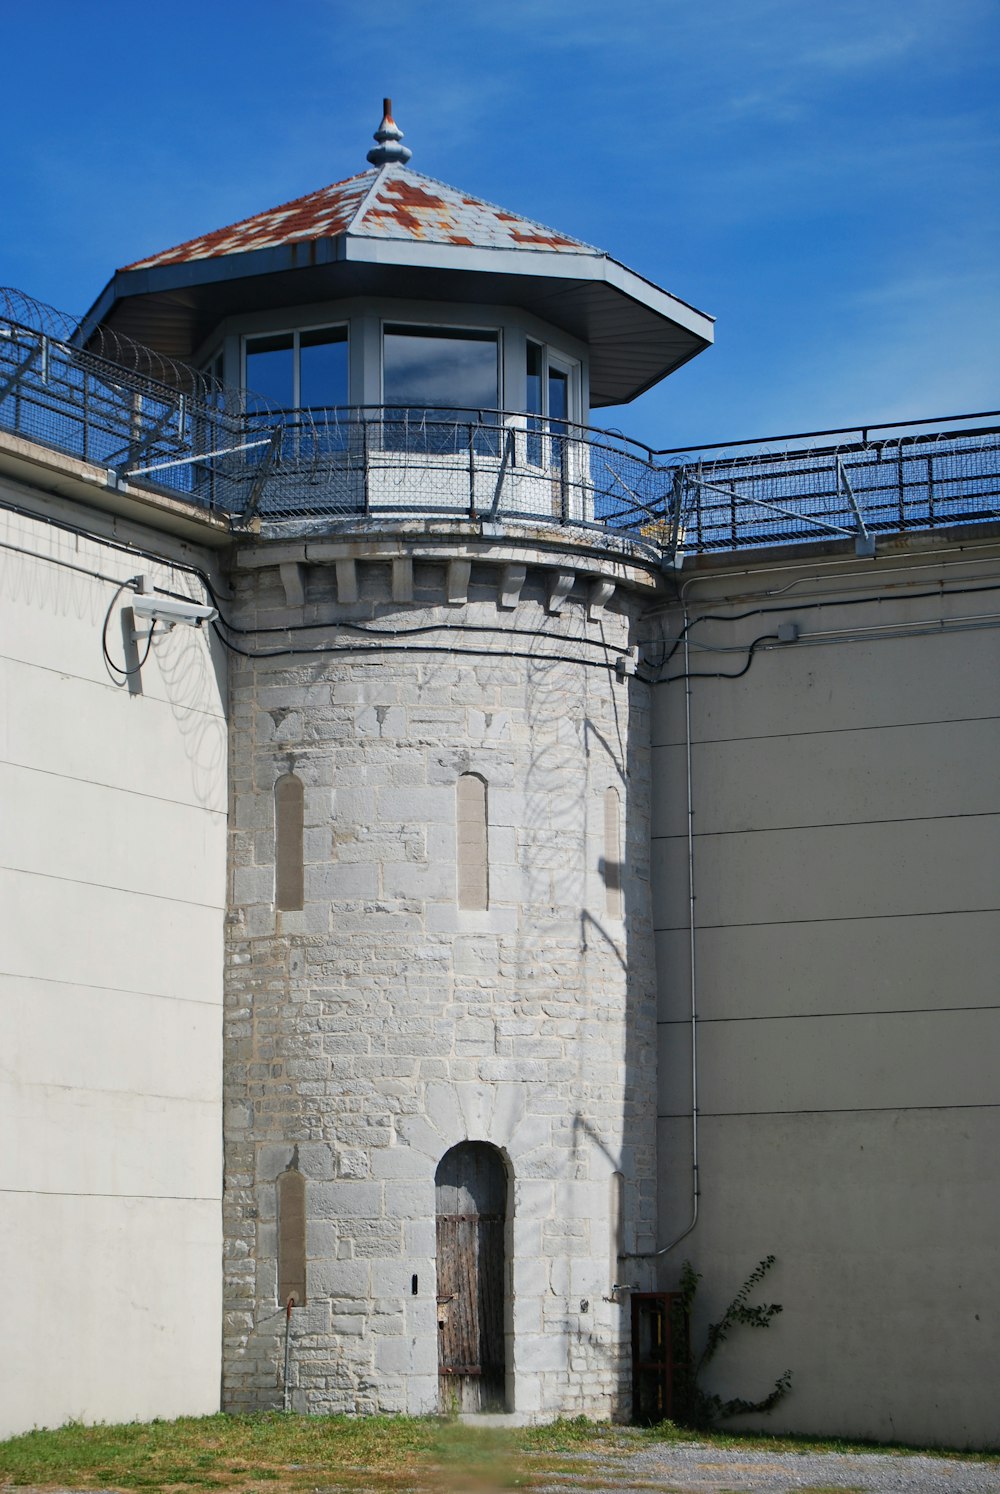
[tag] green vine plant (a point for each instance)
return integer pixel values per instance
(697, 1407)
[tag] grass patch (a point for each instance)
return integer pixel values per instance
(273, 1453)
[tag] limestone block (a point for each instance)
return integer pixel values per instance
(293, 579)
(508, 1112)
(253, 884)
(347, 582)
(559, 587)
(394, 1356)
(416, 805)
(599, 594)
(336, 1278)
(341, 1200)
(444, 1111)
(419, 1236)
(340, 881)
(391, 1279)
(346, 1325)
(418, 1133)
(409, 1199)
(402, 579)
(457, 584)
(422, 1391)
(531, 1277)
(512, 578)
(476, 1104)
(418, 880)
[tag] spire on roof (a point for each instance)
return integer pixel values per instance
(388, 136)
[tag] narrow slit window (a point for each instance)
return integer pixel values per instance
(612, 854)
(472, 851)
(288, 857)
(292, 1238)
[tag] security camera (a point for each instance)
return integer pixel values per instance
(171, 610)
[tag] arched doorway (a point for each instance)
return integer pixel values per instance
(471, 1199)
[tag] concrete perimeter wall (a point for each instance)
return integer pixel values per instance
(847, 881)
(112, 865)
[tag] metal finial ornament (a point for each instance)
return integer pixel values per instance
(388, 136)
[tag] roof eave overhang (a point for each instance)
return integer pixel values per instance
(575, 291)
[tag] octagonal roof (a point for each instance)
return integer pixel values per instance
(388, 202)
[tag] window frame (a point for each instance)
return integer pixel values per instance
(296, 334)
(552, 359)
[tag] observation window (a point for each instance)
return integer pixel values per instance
(436, 381)
(441, 368)
(550, 396)
(299, 370)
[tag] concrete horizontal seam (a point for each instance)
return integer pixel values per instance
(207, 1198)
(86, 679)
(683, 1115)
(84, 985)
(117, 788)
(682, 928)
(915, 819)
(161, 897)
(830, 731)
(135, 1094)
(902, 1011)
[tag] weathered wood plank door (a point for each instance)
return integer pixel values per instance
(471, 1217)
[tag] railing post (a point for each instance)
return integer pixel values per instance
(699, 525)
(366, 496)
(472, 471)
(864, 543)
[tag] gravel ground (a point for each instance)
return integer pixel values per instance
(698, 1468)
(684, 1468)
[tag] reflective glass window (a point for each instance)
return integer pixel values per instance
(323, 367)
(534, 379)
(271, 368)
(558, 399)
(299, 370)
(440, 369)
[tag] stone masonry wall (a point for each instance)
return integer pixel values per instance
(381, 1025)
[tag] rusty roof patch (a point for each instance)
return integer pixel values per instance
(547, 240)
(391, 202)
(317, 215)
(411, 193)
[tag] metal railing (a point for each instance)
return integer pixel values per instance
(888, 482)
(158, 424)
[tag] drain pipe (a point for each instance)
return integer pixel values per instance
(692, 960)
(286, 1402)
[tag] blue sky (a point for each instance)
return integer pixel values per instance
(822, 178)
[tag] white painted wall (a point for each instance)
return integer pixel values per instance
(847, 869)
(112, 890)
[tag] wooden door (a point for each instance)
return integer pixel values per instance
(660, 1358)
(471, 1218)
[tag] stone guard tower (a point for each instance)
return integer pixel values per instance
(440, 1078)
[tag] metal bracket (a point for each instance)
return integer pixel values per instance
(864, 542)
